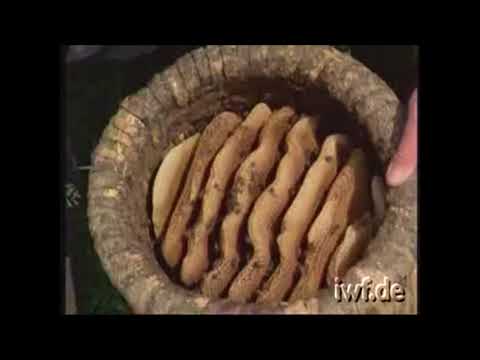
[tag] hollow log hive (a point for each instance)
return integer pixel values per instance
(169, 127)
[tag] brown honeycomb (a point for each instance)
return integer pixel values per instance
(255, 209)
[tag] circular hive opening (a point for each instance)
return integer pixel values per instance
(316, 83)
(240, 204)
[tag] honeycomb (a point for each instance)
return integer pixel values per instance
(262, 209)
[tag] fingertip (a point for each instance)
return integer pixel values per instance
(405, 160)
(397, 174)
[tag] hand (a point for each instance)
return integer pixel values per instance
(404, 161)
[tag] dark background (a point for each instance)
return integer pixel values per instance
(94, 88)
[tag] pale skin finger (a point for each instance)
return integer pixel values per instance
(404, 162)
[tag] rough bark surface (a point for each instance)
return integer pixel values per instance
(181, 100)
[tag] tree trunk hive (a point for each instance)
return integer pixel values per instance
(241, 132)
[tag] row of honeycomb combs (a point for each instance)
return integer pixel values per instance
(302, 206)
